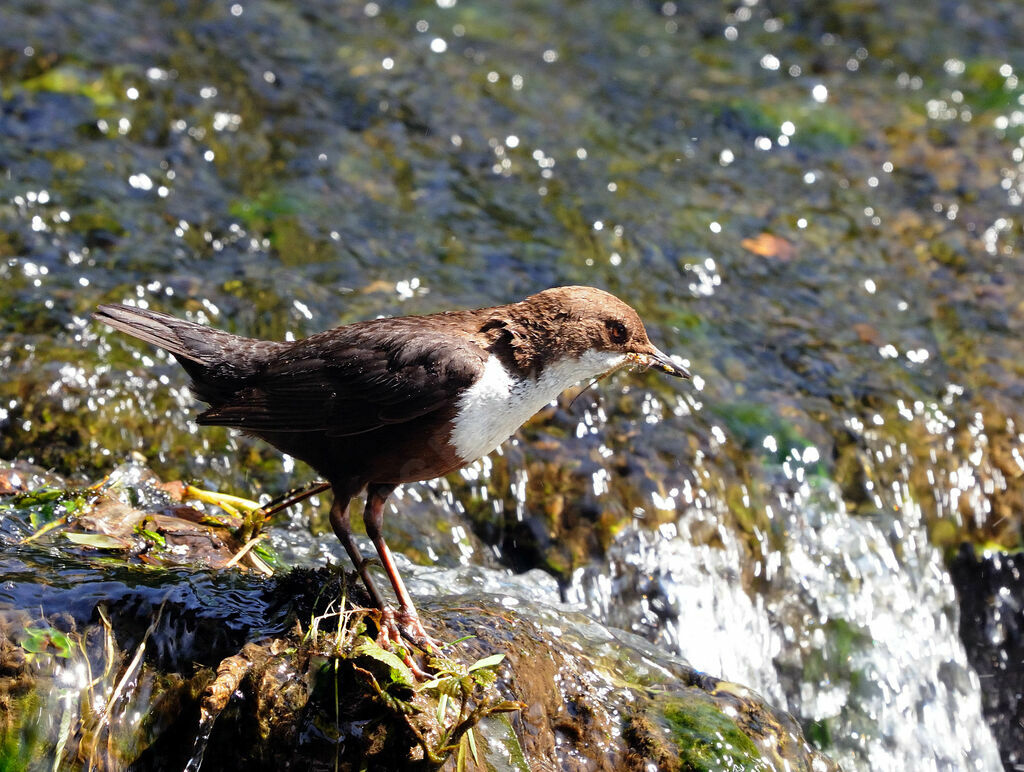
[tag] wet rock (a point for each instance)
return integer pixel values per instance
(220, 661)
(15, 668)
(21, 477)
(582, 696)
(990, 587)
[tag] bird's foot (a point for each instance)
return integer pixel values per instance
(395, 628)
(411, 628)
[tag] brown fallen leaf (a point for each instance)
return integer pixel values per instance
(769, 245)
(173, 488)
(868, 333)
(378, 285)
(10, 482)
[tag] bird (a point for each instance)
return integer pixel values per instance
(376, 404)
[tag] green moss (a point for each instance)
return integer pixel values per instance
(691, 734)
(278, 215)
(818, 126)
(685, 319)
(67, 79)
(23, 740)
(267, 206)
(832, 663)
(747, 515)
(819, 734)
(752, 422)
(708, 739)
(985, 89)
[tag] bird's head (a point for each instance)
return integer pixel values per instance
(593, 325)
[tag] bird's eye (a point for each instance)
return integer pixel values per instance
(616, 331)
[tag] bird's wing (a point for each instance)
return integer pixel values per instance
(353, 379)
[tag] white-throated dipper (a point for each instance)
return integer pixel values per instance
(379, 403)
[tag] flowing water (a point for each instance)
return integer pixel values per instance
(856, 631)
(815, 204)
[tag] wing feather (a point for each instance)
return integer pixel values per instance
(353, 379)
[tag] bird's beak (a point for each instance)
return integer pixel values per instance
(659, 360)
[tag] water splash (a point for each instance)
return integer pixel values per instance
(852, 626)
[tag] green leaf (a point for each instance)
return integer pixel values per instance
(99, 541)
(267, 554)
(506, 706)
(445, 666)
(41, 638)
(490, 661)
(73, 505)
(35, 642)
(398, 671)
(442, 708)
(485, 677)
(153, 536)
(41, 496)
(62, 643)
(450, 686)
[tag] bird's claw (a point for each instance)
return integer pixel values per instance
(396, 628)
(412, 630)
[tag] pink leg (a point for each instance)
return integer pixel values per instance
(408, 621)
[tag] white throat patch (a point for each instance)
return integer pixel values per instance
(495, 406)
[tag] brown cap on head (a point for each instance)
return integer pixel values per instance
(575, 319)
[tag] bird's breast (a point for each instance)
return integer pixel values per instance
(499, 402)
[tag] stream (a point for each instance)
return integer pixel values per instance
(815, 204)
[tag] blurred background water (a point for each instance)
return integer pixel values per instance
(817, 204)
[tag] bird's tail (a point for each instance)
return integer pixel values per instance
(215, 359)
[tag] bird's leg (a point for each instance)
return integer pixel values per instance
(343, 530)
(393, 626)
(408, 621)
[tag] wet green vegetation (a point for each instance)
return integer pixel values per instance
(817, 204)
